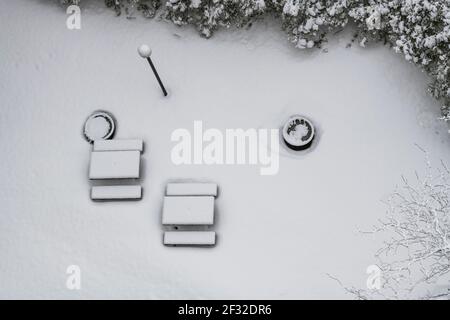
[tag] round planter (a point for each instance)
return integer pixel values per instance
(298, 133)
(100, 125)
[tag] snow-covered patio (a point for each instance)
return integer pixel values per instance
(278, 236)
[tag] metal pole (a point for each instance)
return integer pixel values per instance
(157, 76)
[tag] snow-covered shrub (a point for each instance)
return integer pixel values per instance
(208, 15)
(147, 7)
(417, 29)
(415, 256)
(307, 22)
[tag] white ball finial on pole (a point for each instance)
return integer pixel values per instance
(145, 52)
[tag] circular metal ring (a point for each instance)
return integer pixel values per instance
(298, 133)
(100, 125)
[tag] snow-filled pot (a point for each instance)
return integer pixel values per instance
(99, 125)
(298, 133)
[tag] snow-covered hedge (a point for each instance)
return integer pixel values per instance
(418, 29)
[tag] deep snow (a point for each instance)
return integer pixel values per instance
(278, 236)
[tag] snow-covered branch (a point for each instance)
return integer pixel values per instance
(416, 253)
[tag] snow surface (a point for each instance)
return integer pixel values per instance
(277, 236)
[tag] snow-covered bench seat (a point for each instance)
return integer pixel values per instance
(189, 238)
(116, 192)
